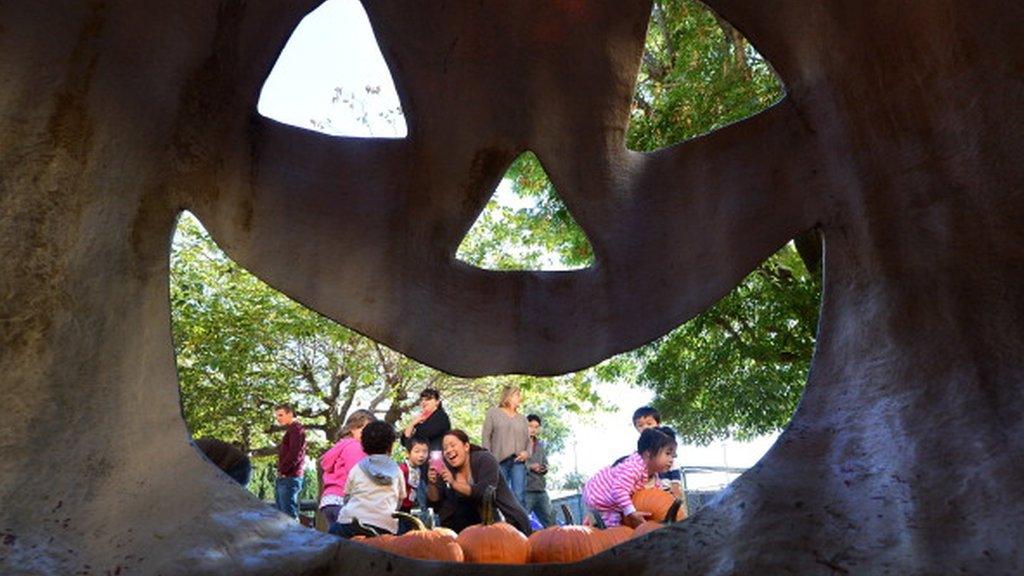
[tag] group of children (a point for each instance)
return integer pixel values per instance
(361, 481)
(609, 492)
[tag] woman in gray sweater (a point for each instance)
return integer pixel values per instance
(506, 435)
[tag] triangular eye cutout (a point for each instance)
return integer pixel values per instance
(332, 78)
(526, 226)
(698, 74)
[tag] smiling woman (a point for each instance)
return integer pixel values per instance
(459, 489)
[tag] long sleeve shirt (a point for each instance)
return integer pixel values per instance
(337, 462)
(612, 488)
(291, 452)
(432, 429)
(535, 481)
(505, 435)
(459, 512)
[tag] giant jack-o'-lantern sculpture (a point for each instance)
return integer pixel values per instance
(900, 136)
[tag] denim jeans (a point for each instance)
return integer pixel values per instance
(515, 475)
(540, 504)
(286, 495)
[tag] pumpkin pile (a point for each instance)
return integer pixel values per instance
(496, 542)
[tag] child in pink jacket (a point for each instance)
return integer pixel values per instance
(337, 462)
(609, 493)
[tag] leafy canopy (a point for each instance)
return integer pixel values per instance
(739, 368)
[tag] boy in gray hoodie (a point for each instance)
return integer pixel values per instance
(375, 486)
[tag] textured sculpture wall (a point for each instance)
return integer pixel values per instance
(900, 137)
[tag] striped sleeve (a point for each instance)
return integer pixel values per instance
(612, 487)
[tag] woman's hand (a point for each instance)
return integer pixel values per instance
(447, 475)
(410, 430)
(635, 519)
(522, 456)
(431, 475)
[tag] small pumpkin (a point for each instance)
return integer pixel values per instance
(656, 502)
(650, 525)
(493, 542)
(420, 542)
(558, 544)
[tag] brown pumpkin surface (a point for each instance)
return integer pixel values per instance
(559, 544)
(657, 502)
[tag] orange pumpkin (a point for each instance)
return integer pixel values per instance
(563, 544)
(613, 536)
(493, 542)
(657, 502)
(420, 542)
(650, 525)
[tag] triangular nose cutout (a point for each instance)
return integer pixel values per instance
(526, 226)
(332, 78)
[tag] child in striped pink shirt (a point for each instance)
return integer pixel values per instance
(609, 493)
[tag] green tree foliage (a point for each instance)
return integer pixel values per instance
(739, 368)
(243, 347)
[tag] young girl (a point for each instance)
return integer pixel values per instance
(610, 491)
(337, 462)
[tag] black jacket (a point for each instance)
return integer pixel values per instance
(432, 429)
(459, 512)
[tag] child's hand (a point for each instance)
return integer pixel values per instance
(635, 519)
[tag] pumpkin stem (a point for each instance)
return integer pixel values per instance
(598, 521)
(673, 512)
(568, 515)
(363, 530)
(488, 505)
(417, 524)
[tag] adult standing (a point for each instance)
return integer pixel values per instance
(537, 499)
(291, 459)
(430, 424)
(459, 487)
(506, 435)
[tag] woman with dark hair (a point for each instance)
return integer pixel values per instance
(430, 424)
(458, 487)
